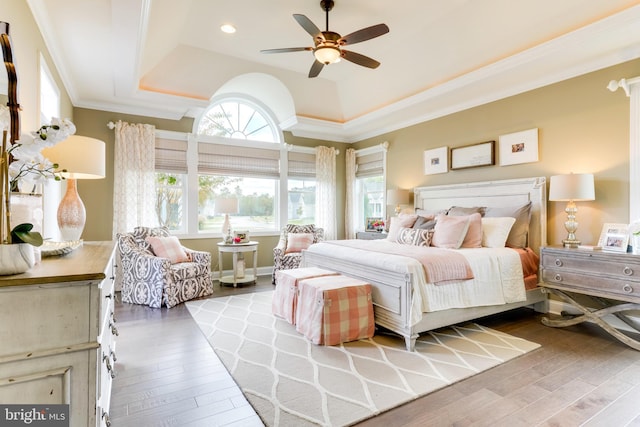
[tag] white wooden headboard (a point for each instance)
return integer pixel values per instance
(502, 193)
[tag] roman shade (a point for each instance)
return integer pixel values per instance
(171, 155)
(370, 165)
(238, 160)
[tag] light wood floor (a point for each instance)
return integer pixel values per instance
(168, 375)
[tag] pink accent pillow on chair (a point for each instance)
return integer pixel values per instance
(168, 247)
(297, 242)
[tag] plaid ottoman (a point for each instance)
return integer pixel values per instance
(285, 296)
(334, 309)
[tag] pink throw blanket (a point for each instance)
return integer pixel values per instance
(440, 265)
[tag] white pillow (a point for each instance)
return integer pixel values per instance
(495, 231)
(398, 222)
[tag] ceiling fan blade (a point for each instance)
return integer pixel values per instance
(359, 59)
(364, 34)
(309, 26)
(316, 67)
(286, 49)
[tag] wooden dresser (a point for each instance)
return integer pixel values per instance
(57, 330)
(610, 281)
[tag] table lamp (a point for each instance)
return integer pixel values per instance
(397, 198)
(82, 158)
(571, 188)
(226, 206)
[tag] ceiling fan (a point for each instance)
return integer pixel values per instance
(328, 44)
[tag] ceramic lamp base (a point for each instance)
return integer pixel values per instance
(71, 213)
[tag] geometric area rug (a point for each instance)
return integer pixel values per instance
(289, 381)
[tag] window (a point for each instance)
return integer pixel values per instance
(370, 186)
(171, 183)
(301, 194)
(237, 120)
(49, 94)
(237, 153)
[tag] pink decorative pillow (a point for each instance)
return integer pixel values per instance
(450, 231)
(297, 242)
(168, 247)
(414, 236)
(398, 222)
(473, 239)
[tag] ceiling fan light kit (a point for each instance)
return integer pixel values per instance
(328, 44)
(327, 54)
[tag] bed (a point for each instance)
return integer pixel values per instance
(394, 289)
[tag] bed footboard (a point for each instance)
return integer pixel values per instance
(392, 299)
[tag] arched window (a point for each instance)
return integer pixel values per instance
(238, 119)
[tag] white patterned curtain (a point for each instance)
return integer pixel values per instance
(349, 211)
(134, 191)
(326, 191)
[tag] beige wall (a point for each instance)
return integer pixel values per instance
(583, 127)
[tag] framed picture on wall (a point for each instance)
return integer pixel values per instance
(473, 156)
(435, 161)
(519, 147)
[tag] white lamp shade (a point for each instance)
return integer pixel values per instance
(81, 156)
(397, 197)
(576, 187)
(226, 205)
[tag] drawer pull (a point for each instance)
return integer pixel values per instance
(109, 296)
(627, 288)
(107, 420)
(114, 330)
(628, 271)
(557, 278)
(107, 363)
(558, 262)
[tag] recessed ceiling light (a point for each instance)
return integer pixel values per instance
(228, 28)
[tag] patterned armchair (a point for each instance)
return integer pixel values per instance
(285, 256)
(154, 281)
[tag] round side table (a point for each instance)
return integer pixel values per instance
(235, 249)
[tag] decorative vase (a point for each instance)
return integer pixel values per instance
(16, 258)
(27, 208)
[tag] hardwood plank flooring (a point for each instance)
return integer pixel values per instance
(168, 375)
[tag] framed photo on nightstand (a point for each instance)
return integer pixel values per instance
(614, 237)
(374, 224)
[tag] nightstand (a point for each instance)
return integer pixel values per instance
(611, 280)
(370, 235)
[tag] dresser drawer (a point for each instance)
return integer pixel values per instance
(587, 282)
(596, 264)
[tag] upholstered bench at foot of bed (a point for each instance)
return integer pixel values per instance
(285, 296)
(334, 309)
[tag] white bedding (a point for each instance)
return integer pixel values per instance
(498, 277)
